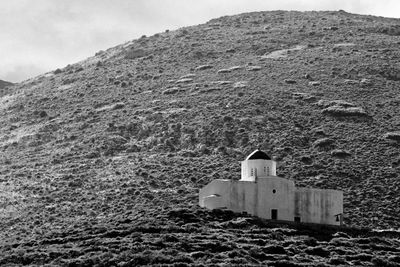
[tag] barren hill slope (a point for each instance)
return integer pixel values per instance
(101, 161)
(4, 84)
(5, 87)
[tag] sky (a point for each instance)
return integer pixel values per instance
(38, 36)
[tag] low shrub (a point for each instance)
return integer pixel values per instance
(318, 251)
(135, 53)
(274, 249)
(337, 261)
(359, 257)
(383, 263)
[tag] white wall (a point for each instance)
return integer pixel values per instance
(282, 200)
(318, 205)
(214, 202)
(215, 187)
(258, 198)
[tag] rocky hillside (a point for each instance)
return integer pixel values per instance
(4, 87)
(4, 84)
(101, 161)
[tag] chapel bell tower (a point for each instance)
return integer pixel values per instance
(257, 164)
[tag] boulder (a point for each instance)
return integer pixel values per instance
(314, 83)
(204, 67)
(392, 136)
(323, 142)
(340, 153)
(342, 111)
(254, 68)
(341, 103)
(290, 81)
(184, 80)
(229, 69)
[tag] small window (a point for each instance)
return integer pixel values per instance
(265, 169)
(268, 171)
(251, 172)
(297, 219)
(255, 172)
(273, 191)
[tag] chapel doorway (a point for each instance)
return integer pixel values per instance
(274, 214)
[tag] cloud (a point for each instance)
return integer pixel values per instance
(47, 34)
(21, 72)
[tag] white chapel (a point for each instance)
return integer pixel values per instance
(261, 193)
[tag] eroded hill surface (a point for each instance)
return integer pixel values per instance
(5, 87)
(101, 161)
(4, 84)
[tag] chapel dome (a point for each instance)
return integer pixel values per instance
(258, 154)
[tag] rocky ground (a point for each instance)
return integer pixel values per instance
(5, 87)
(101, 161)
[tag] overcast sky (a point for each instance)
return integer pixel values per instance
(41, 35)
